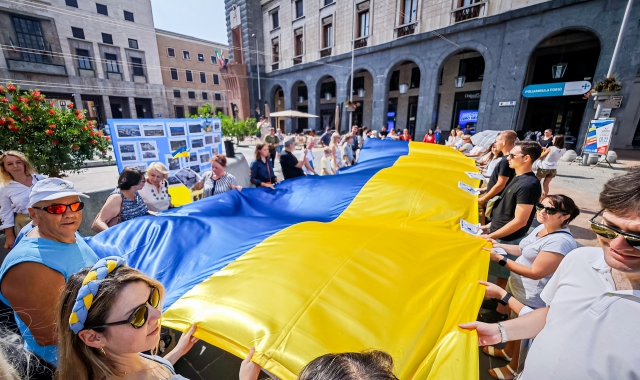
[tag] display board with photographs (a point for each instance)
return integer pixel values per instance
(139, 142)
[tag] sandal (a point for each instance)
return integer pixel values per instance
(499, 375)
(496, 353)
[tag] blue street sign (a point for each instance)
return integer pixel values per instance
(556, 89)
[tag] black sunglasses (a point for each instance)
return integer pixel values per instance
(612, 233)
(61, 209)
(139, 317)
(549, 210)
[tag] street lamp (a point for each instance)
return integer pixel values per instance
(258, 69)
(327, 96)
(460, 81)
(557, 70)
(361, 92)
(403, 88)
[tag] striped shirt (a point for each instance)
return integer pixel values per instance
(131, 209)
(217, 186)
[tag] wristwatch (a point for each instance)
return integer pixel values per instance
(503, 333)
(503, 261)
(505, 300)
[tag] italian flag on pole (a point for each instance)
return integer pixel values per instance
(221, 62)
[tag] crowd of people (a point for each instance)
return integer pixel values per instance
(90, 318)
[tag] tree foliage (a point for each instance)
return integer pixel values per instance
(54, 140)
(238, 128)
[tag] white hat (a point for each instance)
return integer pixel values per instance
(52, 188)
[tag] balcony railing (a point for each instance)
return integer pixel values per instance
(297, 60)
(360, 42)
(406, 30)
(34, 61)
(326, 52)
(468, 12)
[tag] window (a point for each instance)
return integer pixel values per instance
(189, 75)
(133, 44)
(472, 69)
(408, 11)
(186, 55)
(394, 82)
(176, 93)
(362, 21)
(200, 57)
(29, 35)
(171, 52)
(327, 2)
(128, 16)
(299, 4)
(179, 112)
(327, 32)
(214, 60)
(298, 42)
(77, 32)
(358, 83)
(111, 60)
(102, 9)
(415, 77)
(192, 94)
(136, 65)
(205, 96)
(174, 74)
(203, 77)
(84, 62)
(275, 50)
(275, 19)
(71, 3)
(217, 96)
(193, 110)
(216, 79)
(107, 38)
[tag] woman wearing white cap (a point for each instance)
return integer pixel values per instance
(17, 177)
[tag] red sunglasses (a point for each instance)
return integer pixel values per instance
(61, 209)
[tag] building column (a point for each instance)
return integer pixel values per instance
(379, 106)
(341, 98)
(313, 104)
(289, 104)
(77, 99)
(427, 100)
(106, 108)
(132, 109)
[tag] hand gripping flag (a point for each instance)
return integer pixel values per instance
(372, 258)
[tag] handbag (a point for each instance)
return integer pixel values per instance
(110, 223)
(491, 203)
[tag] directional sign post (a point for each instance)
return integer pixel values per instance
(556, 89)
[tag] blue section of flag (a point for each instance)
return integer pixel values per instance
(184, 246)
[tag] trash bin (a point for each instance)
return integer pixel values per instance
(228, 148)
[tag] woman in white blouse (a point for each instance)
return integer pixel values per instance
(17, 176)
(155, 192)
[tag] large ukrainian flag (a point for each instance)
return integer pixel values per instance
(373, 258)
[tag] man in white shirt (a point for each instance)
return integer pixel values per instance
(590, 328)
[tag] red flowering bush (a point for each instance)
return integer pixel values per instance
(54, 140)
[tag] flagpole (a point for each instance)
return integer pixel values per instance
(353, 49)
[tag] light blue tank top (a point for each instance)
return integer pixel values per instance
(66, 259)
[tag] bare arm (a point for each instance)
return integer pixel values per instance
(501, 183)
(6, 218)
(546, 263)
(308, 166)
(512, 249)
(545, 152)
(199, 185)
(110, 210)
(496, 292)
(334, 165)
(525, 327)
(35, 301)
(520, 220)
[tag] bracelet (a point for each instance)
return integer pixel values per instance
(503, 333)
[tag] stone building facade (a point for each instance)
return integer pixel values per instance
(101, 56)
(191, 73)
(422, 63)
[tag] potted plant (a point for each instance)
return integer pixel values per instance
(55, 140)
(607, 86)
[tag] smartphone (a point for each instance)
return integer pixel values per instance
(305, 146)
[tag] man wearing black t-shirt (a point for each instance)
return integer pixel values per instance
(502, 173)
(291, 167)
(513, 214)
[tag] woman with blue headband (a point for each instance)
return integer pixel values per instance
(108, 315)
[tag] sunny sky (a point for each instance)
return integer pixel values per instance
(198, 18)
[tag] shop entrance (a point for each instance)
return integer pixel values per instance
(465, 109)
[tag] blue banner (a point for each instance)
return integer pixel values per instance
(139, 142)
